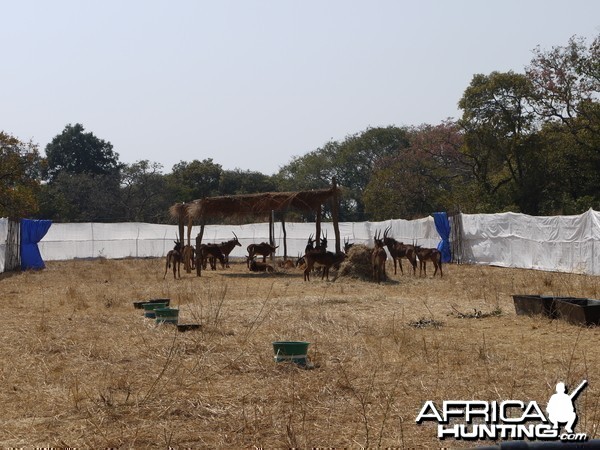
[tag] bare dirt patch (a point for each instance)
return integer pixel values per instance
(81, 367)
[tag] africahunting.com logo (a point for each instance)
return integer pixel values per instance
(509, 419)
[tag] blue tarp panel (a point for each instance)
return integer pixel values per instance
(32, 232)
(442, 225)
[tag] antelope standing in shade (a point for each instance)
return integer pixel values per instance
(174, 257)
(378, 259)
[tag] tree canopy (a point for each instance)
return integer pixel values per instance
(525, 142)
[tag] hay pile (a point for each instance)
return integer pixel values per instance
(357, 264)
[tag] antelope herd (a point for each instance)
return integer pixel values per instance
(315, 255)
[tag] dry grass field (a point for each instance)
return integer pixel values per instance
(81, 367)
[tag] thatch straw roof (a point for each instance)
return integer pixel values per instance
(251, 204)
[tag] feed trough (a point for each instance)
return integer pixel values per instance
(149, 308)
(140, 304)
(291, 351)
(581, 311)
(532, 305)
(167, 315)
(188, 326)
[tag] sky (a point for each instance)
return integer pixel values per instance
(253, 84)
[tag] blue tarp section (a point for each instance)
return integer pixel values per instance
(32, 232)
(442, 225)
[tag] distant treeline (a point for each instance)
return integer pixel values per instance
(526, 142)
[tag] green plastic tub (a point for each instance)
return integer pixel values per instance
(291, 351)
(150, 307)
(167, 315)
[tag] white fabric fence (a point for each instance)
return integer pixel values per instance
(3, 241)
(555, 243)
(139, 240)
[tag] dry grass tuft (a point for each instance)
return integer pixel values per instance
(82, 368)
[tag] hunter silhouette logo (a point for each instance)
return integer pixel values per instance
(561, 408)
(509, 419)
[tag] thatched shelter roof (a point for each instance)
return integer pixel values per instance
(252, 204)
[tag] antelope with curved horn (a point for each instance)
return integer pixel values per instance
(378, 259)
(400, 250)
(228, 246)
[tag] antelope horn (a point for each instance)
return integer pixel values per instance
(387, 230)
(234, 234)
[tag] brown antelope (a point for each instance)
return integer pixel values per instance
(312, 248)
(347, 245)
(188, 258)
(325, 259)
(174, 257)
(263, 249)
(210, 252)
(287, 264)
(228, 246)
(258, 266)
(400, 250)
(378, 259)
(429, 254)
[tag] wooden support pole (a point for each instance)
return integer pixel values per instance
(318, 227)
(271, 232)
(335, 214)
(198, 253)
(284, 237)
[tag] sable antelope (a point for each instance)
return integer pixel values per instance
(312, 248)
(263, 249)
(228, 246)
(174, 257)
(287, 264)
(429, 254)
(310, 245)
(400, 250)
(257, 266)
(378, 258)
(188, 257)
(347, 245)
(210, 252)
(325, 259)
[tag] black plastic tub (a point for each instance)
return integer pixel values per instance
(140, 304)
(533, 305)
(580, 311)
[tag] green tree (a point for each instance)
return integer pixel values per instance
(82, 197)
(237, 181)
(501, 142)
(194, 180)
(20, 172)
(357, 159)
(144, 195)
(83, 175)
(352, 163)
(76, 152)
(566, 95)
(421, 178)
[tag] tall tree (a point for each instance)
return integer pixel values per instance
(20, 172)
(144, 194)
(501, 144)
(351, 162)
(194, 180)
(76, 152)
(566, 94)
(237, 181)
(82, 197)
(357, 158)
(420, 179)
